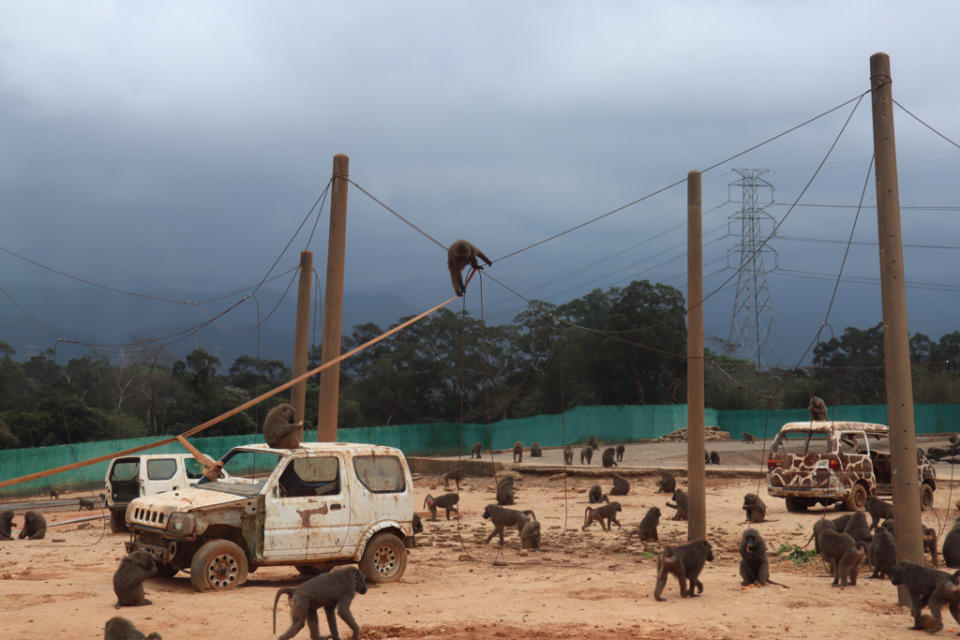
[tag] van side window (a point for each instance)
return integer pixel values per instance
(380, 474)
(161, 469)
(193, 468)
(124, 470)
(853, 442)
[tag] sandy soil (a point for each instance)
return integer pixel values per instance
(580, 585)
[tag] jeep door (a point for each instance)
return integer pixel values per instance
(162, 474)
(853, 450)
(306, 509)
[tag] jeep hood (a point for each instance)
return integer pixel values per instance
(189, 499)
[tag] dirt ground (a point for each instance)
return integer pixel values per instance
(579, 585)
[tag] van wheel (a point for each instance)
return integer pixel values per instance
(118, 523)
(384, 559)
(217, 566)
(926, 497)
(857, 500)
(166, 570)
(796, 505)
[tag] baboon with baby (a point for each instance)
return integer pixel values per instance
(281, 429)
(685, 561)
(134, 568)
(333, 591)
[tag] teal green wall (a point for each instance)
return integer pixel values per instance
(612, 423)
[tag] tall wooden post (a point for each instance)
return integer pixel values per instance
(896, 337)
(333, 305)
(301, 336)
(696, 471)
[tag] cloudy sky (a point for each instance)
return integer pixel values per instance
(178, 146)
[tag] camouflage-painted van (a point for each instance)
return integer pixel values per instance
(827, 462)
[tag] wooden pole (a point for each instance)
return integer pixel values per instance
(333, 305)
(896, 336)
(301, 336)
(696, 471)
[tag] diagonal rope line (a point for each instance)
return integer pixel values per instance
(928, 126)
(405, 220)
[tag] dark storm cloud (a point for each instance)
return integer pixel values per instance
(179, 145)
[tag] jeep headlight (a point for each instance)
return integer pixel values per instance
(181, 524)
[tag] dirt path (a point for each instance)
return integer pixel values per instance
(581, 585)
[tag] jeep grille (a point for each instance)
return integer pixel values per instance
(148, 517)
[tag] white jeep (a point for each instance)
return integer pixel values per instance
(314, 507)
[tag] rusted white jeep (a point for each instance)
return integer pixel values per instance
(314, 507)
(827, 462)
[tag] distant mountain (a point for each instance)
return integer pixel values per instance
(94, 316)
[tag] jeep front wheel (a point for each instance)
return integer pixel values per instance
(217, 566)
(857, 500)
(384, 559)
(796, 505)
(118, 523)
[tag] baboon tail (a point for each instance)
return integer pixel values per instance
(777, 583)
(286, 590)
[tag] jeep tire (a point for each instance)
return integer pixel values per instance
(796, 505)
(384, 559)
(217, 566)
(118, 522)
(857, 500)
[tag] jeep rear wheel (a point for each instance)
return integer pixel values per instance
(118, 523)
(796, 505)
(217, 566)
(926, 497)
(384, 559)
(857, 500)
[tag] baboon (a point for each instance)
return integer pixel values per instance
(607, 512)
(475, 451)
(714, 457)
(748, 438)
(818, 409)
(334, 590)
(118, 628)
(54, 494)
(518, 451)
(819, 526)
(882, 553)
(535, 450)
(592, 443)
(530, 535)
(502, 518)
(754, 566)
(951, 546)
(706, 458)
(595, 495)
(647, 529)
(620, 451)
(877, 509)
(83, 503)
(447, 502)
(6, 523)
(134, 568)
(680, 500)
(921, 582)
(34, 526)
(280, 428)
(930, 543)
(840, 524)
(460, 254)
(842, 554)
(417, 528)
(667, 483)
(568, 455)
(947, 593)
(685, 561)
(608, 457)
(857, 527)
(586, 454)
(756, 510)
(505, 493)
(455, 474)
(621, 486)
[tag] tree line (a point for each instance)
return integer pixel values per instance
(622, 345)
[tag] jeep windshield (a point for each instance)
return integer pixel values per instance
(246, 472)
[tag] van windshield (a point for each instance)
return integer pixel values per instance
(801, 442)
